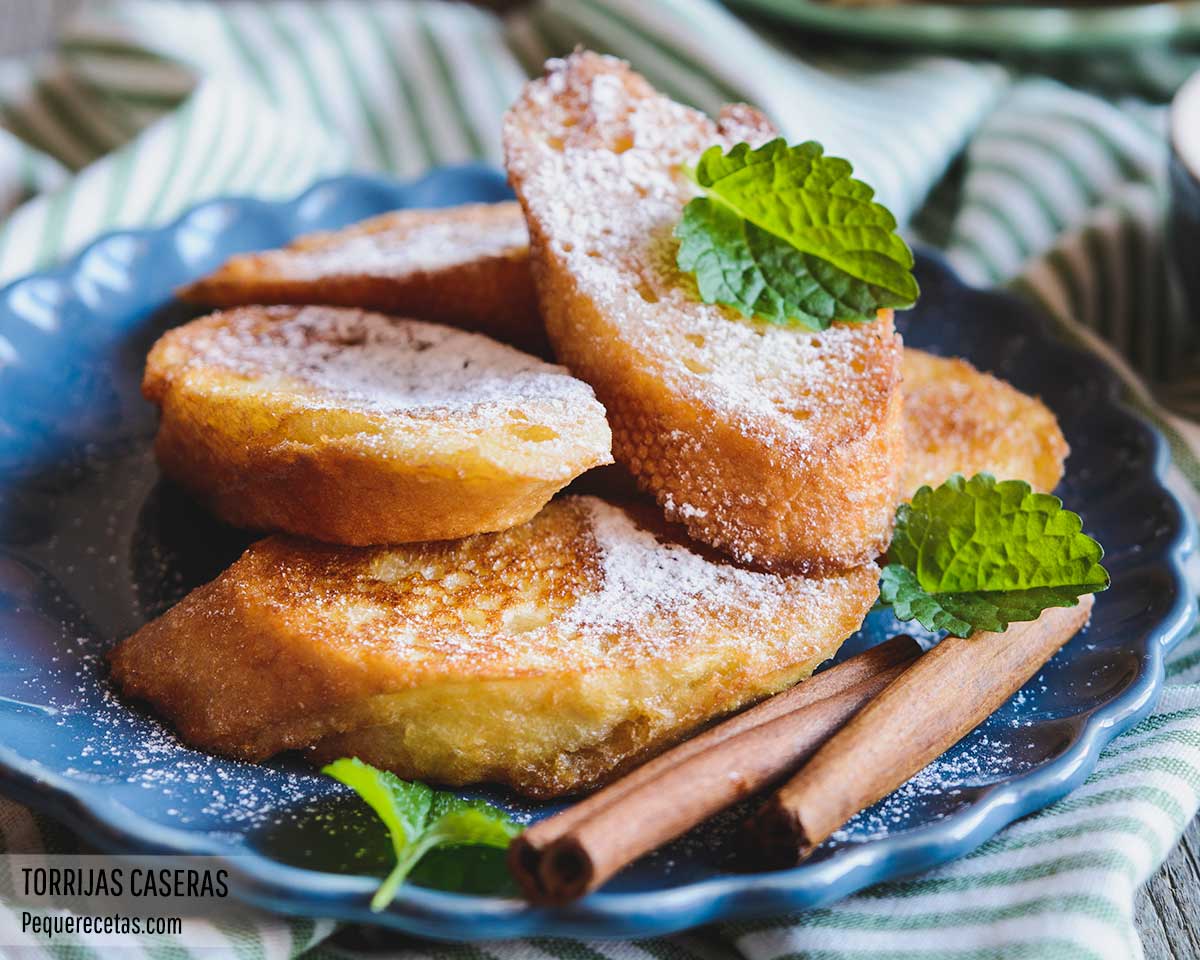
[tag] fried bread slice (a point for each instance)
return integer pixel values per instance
(956, 419)
(357, 428)
(778, 445)
(959, 420)
(465, 266)
(548, 657)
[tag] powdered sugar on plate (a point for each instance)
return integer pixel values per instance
(109, 743)
(948, 783)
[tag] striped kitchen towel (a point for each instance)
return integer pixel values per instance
(1044, 176)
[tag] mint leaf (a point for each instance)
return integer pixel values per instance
(478, 870)
(963, 613)
(786, 234)
(979, 554)
(420, 819)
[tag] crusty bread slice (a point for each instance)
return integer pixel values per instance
(465, 266)
(955, 417)
(549, 657)
(958, 420)
(781, 446)
(357, 428)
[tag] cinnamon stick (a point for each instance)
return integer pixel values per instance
(525, 852)
(573, 853)
(936, 702)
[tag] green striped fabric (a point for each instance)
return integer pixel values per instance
(1040, 175)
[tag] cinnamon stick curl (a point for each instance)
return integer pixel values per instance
(936, 702)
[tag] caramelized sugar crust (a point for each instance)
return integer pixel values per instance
(780, 446)
(353, 427)
(465, 266)
(959, 420)
(549, 657)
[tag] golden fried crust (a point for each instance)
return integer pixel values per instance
(465, 266)
(356, 428)
(547, 657)
(780, 446)
(958, 420)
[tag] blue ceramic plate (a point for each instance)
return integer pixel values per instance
(92, 545)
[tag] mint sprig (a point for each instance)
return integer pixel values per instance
(979, 554)
(787, 235)
(420, 819)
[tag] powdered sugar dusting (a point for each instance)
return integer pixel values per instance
(645, 595)
(648, 580)
(374, 363)
(583, 585)
(941, 788)
(588, 141)
(731, 423)
(131, 754)
(376, 250)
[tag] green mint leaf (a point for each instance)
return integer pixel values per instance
(477, 870)
(979, 554)
(963, 613)
(420, 819)
(786, 234)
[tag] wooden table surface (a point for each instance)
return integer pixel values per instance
(1166, 907)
